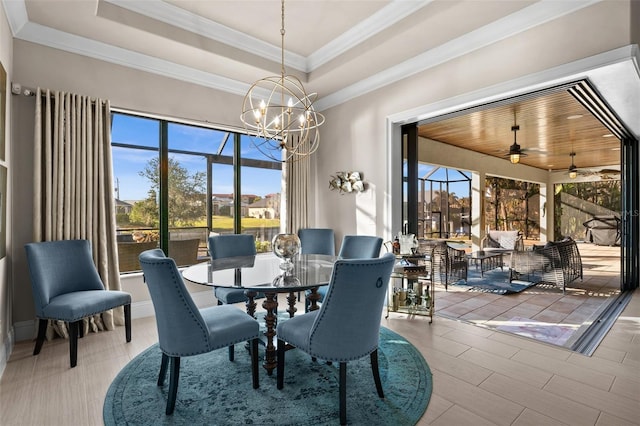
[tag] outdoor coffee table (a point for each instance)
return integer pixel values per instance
(488, 259)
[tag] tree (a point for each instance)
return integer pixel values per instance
(145, 212)
(187, 194)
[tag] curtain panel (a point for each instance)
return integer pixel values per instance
(73, 183)
(297, 181)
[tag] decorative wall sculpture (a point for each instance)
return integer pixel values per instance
(347, 182)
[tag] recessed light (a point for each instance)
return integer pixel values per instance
(615, 149)
(608, 135)
(573, 117)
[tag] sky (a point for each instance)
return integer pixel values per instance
(457, 183)
(127, 163)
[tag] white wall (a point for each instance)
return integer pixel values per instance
(357, 135)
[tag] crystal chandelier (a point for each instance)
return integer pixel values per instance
(279, 116)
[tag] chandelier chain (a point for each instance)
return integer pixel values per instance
(282, 31)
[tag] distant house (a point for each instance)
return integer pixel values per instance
(266, 208)
(123, 207)
(222, 204)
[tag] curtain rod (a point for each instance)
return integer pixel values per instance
(18, 89)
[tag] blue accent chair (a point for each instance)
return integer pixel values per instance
(325, 334)
(356, 247)
(231, 245)
(185, 330)
(360, 247)
(316, 241)
(67, 287)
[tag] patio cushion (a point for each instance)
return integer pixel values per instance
(503, 240)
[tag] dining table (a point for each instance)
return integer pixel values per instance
(269, 275)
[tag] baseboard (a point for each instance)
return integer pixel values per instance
(25, 330)
(7, 348)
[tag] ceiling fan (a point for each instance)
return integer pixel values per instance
(515, 152)
(605, 174)
(573, 170)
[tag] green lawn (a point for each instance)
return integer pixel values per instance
(225, 222)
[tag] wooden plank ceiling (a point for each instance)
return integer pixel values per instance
(551, 127)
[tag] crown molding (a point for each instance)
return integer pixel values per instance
(16, 12)
(522, 20)
(46, 36)
(379, 21)
(177, 17)
(173, 15)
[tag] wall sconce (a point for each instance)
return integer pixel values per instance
(347, 182)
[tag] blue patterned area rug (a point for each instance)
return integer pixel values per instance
(215, 391)
(495, 281)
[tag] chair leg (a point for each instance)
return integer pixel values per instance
(376, 372)
(174, 376)
(163, 369)
(280, 364)
(42, 333)
(231, 353)
(127, 322)
(74, 330)
(254, 363)
(343, 393)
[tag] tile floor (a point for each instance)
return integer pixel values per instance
(581, 303)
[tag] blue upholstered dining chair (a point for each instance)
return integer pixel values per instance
(231, 245)
(355, 247)
(360, 247)
(325, 334)
(185, 330)
(316, 241)
(67, 287)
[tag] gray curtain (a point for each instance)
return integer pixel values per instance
(73, 191)
(297, 181)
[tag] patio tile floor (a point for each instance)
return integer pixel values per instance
(582, 300)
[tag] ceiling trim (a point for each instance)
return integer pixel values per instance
(176, 16)
(522, 20)
(572, 71)
(16, 12)
(56, 39)
(379, 21)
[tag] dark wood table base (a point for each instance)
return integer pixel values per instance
(270, 305)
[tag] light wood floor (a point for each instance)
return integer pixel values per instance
(481, 376)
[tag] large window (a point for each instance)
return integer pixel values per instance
(176, 183)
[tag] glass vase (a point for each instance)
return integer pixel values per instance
(286, 246)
